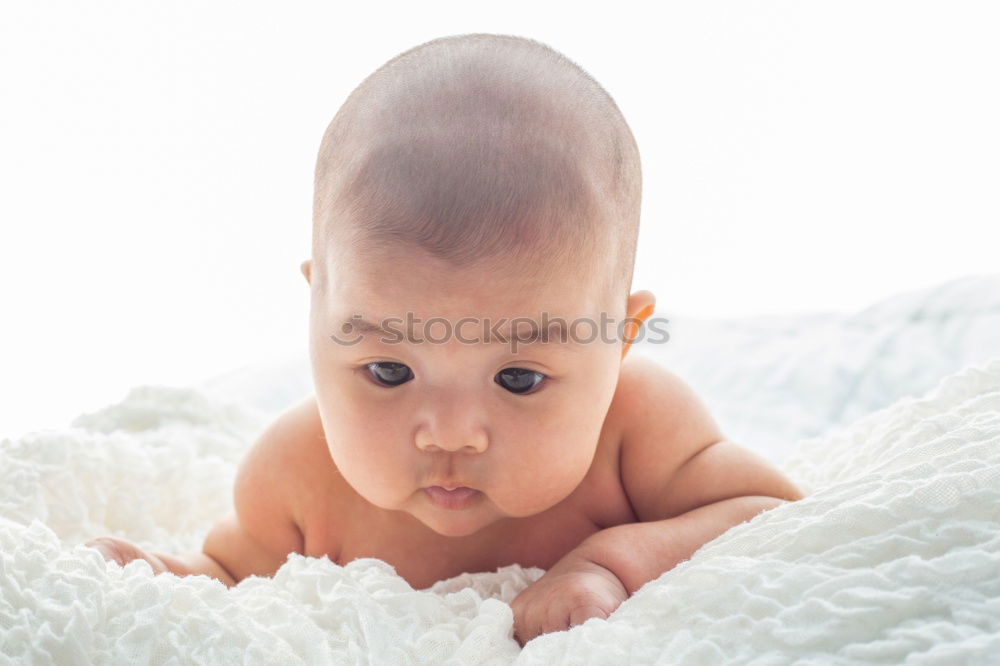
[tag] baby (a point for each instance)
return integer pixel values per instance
(475, 223)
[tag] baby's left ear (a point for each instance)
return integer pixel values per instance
(640, 307)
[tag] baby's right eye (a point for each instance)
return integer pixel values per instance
(389, 373)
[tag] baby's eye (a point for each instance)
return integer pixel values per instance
(518, 380)
(390, 373)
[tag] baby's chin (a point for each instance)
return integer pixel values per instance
(454, 528)
(475, 519)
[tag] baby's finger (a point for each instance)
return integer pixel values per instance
(556, 619)
(581, 614)
(530, 622)
(530, 627)
(107, 549)
(521, 635)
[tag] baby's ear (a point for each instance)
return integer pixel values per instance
(306, 269)
(640, 307)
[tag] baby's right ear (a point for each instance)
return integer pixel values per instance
(306, 269)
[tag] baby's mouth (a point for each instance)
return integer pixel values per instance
(449, 485)
(457, 498)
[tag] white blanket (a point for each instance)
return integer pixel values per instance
(893, 557)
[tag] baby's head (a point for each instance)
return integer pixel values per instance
(472, 180)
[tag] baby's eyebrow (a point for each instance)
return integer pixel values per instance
(362, 326)
(477, 331)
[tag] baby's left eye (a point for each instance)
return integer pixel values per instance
(518, 380)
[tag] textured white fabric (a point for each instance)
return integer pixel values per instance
(771, 381)
(893, 558)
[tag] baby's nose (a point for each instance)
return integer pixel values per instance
(452, 419)
(469, 441)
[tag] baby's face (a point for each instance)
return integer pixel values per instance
(403, 416)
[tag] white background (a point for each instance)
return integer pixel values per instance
(156, 161)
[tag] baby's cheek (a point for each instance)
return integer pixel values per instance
(573, 433)
(535, 482)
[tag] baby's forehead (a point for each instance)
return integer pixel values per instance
(409, 279)
(524, 316)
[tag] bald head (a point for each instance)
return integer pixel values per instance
(482, 149)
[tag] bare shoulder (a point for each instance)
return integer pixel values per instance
(674, 456)
(279, 470)
(317, 495)
(663, 424)
(649, 396)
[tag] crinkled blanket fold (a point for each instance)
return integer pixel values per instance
(894, 557)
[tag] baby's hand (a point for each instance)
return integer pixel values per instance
(572, 591)
(123, 552)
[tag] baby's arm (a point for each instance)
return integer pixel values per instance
(253, 539)
(122, 552)
(196, 564)
(686, 482)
